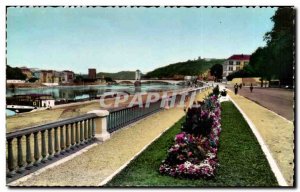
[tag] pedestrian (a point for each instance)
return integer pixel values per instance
(251, 87)
(240, 86)
(236, 87)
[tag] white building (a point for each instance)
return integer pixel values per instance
(234, 63)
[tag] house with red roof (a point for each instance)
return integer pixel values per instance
(235, 63)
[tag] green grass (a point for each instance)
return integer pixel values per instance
(242, 162)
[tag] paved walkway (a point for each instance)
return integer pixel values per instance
(277, 132)
(101, 161)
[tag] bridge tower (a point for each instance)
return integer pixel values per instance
(137, 82)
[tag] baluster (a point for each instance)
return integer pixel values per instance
(50, 144)
(93, 128)
(113, 121)
(89, 129)
(36, 149)
(56, 144)
(10, 159)
(123, 117)
(108, 122)
(138, 112)
(134, 113)
(72, 136)
(44, 152)
(117, 119)
(20, 156)
(144, 109)
(67, 139)
(81, 133)
(62, 140)
(28, 153)
(77, 134)
(85, 131)
(120, 115)
(131, 114)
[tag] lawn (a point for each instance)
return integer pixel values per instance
(242, 162)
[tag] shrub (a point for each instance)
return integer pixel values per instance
(215, 91)
(223, 92)
(194, 153)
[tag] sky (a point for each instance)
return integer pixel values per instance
(127, 39)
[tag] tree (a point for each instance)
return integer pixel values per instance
(260, 61)
(280, 42)
(14, 73)
(276, 59)
(217, 71)
(108, 79)
(239, 74)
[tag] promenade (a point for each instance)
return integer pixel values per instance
(94, 166)
(98, 164)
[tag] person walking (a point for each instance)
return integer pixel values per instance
(251, 87)
(240, 86)
(236, 87)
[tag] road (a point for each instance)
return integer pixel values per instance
(281, 101)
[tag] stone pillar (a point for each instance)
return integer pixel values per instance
(101, 124)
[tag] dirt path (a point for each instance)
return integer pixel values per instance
(277, 132)
(95, 165)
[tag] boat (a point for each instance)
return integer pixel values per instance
(20, 108)
(28, 102)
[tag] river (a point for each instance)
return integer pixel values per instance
(77, 92)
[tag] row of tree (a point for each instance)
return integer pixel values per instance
(274, 61)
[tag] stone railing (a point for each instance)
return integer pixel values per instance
(49, 141)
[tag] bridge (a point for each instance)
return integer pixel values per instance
(173, 82)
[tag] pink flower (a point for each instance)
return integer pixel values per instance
(180, 137)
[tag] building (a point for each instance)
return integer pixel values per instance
(35, 100)
(46, 76)
(234, 63)
(68, 76)
(92, 74)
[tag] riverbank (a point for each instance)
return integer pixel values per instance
(59, 112)
(40, 85)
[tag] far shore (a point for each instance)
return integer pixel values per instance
(58, 112)
(40, 85)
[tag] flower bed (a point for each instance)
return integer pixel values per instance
(194, 154)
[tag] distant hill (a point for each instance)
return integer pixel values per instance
(189, 67)
(122, 75)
